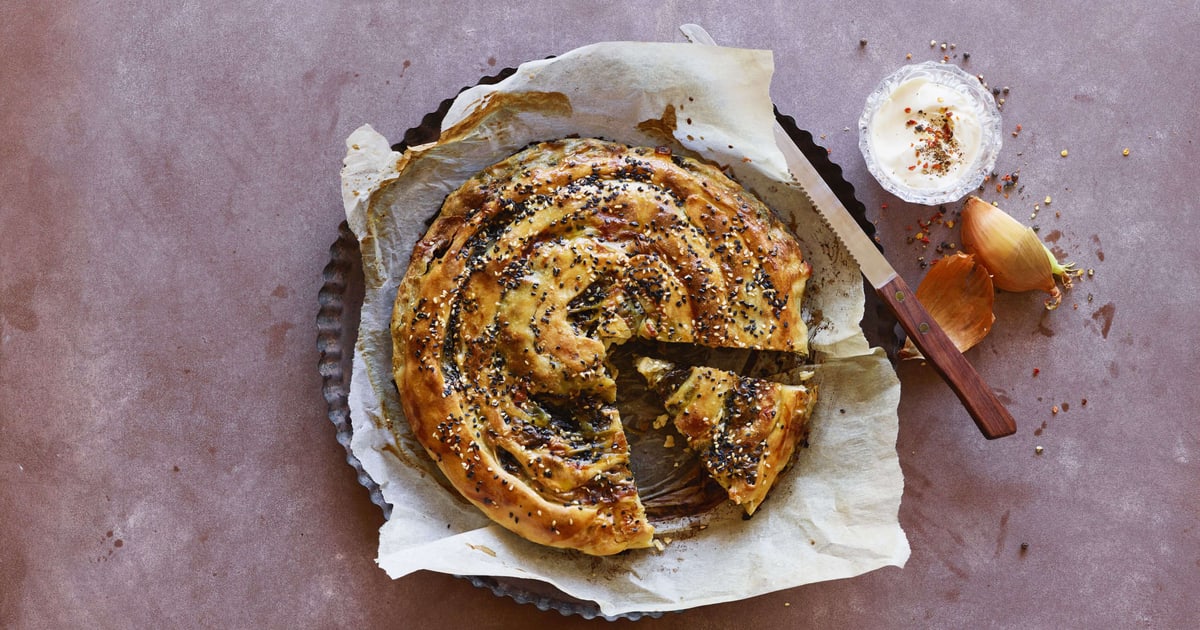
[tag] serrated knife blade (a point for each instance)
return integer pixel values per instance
(989, 414)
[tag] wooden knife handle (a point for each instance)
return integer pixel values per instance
(989, 414)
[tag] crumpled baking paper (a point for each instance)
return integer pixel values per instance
(832, 515)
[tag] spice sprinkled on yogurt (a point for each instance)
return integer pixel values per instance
(925, 133)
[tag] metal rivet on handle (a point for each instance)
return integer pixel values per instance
(923, 327)
(899, 296)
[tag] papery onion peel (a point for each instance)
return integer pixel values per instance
(958, 294)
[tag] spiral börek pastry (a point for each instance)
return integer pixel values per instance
(531, 271)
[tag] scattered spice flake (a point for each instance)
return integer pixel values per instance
(1047, 201)
(862, 43)
(1036, 371)
(932, 43)
(1063, 153)
(908, 56)
(1054, 410)
(1083, 402)
(1038, 450)
(1125, 152)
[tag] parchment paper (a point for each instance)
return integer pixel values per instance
(833, 515)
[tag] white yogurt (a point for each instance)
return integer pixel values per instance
(925, 135)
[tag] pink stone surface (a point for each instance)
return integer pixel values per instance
(168, 194)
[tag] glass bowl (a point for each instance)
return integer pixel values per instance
(940, 169)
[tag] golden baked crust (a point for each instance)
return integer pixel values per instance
(533, 268)
(743, 429)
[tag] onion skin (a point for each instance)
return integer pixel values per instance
(1012, 252)
(958, 293)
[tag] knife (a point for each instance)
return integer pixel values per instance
(980, 401)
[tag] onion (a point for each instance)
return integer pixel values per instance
(1012, 252)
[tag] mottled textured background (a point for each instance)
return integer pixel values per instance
(168, 194)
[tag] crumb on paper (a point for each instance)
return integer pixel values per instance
(483, 548)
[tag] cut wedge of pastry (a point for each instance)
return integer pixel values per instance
(743, 429)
